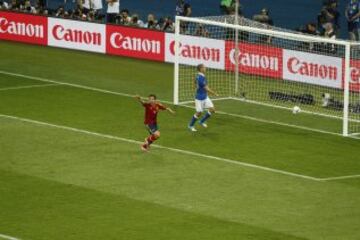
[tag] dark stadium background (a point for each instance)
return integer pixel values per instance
(286, 13)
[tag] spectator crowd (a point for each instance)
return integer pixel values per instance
(95, 11)
(328, 20)
(327, 23)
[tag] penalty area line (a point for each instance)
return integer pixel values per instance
(186, 152)
(3, 236)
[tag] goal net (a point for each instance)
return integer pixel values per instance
(263, 72)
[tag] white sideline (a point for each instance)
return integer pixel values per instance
(129, 95)
(8, 237)
(230, 161)
(29, 86)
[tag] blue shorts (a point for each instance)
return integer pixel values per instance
(152, 128)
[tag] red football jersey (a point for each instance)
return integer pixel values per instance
(151, 112)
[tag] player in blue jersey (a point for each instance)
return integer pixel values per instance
(202, 100)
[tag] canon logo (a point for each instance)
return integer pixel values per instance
(295, 66)
(197, 52)
(355, 75)
(21, 29)
(117, 40)
(76, 36)
(255, 60)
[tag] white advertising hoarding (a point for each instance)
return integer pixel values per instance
(312, 68)
(196, 50)
(77, 35)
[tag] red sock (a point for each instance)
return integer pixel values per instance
(151, 139)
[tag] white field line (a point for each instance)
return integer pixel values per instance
(2, 236)
(277, 123)
(340, 178)
(190, 153)
(65, 84)
(29, 86)
(178, 150)
(168, 102)
(212, 99)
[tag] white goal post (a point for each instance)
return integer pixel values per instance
(271, 67)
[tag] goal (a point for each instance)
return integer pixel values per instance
(262, 72)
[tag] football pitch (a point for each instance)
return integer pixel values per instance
(71, 165)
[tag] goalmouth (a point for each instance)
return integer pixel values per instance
(272, 70)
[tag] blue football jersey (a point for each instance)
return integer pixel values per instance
(201, 93)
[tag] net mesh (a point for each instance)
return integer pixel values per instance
(354, 92)
(273, 69)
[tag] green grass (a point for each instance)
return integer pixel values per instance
(60, 184)
(257, 89)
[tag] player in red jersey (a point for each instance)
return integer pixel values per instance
(152, 107)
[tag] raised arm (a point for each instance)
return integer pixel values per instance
(170, 110)
(137, 97)
(163, 107)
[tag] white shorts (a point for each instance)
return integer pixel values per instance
(201, 105)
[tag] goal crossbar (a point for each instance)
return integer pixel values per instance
(350, 99)
(269, 32)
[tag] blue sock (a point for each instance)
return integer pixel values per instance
(206, 117)
(193, 121)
